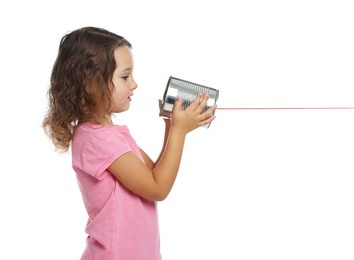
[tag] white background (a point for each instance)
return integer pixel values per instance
(255, 185)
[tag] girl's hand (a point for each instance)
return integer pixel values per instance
(154, 181)
(192, 116)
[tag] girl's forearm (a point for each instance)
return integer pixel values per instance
(165, 171)
(167, 131)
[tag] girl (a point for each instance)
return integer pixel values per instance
(92, 78)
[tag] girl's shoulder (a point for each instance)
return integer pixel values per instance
(99, 128)
(85, 133)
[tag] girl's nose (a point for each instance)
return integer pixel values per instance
(134, 85)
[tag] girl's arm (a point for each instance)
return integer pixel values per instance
(148, 162)
(156, 184)
(167, 132)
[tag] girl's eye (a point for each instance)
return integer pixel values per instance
(125, 78)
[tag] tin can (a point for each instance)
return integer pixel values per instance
(188, 91)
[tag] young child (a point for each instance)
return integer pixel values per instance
(92, 78)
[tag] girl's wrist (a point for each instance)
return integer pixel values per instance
(177, 131)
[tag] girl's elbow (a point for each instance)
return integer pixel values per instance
(159, 196)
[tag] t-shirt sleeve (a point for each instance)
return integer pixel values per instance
(101, 150)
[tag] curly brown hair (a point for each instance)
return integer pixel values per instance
(81, 82)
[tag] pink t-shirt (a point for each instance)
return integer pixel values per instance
(121, 224)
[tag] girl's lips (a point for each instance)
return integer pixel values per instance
(130, 97)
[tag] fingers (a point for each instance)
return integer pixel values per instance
(202, 104)
(195, 103)
(178, 104)
(208, 116)
(198, 103)
(198, 107)
(193, 116)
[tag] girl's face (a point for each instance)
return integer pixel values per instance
(123, 82)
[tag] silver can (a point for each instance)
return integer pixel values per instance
(188, 91)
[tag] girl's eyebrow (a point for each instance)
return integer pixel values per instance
(126, 69)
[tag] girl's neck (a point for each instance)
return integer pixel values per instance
(103, 121)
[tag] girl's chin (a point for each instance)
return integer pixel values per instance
(121, 109)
